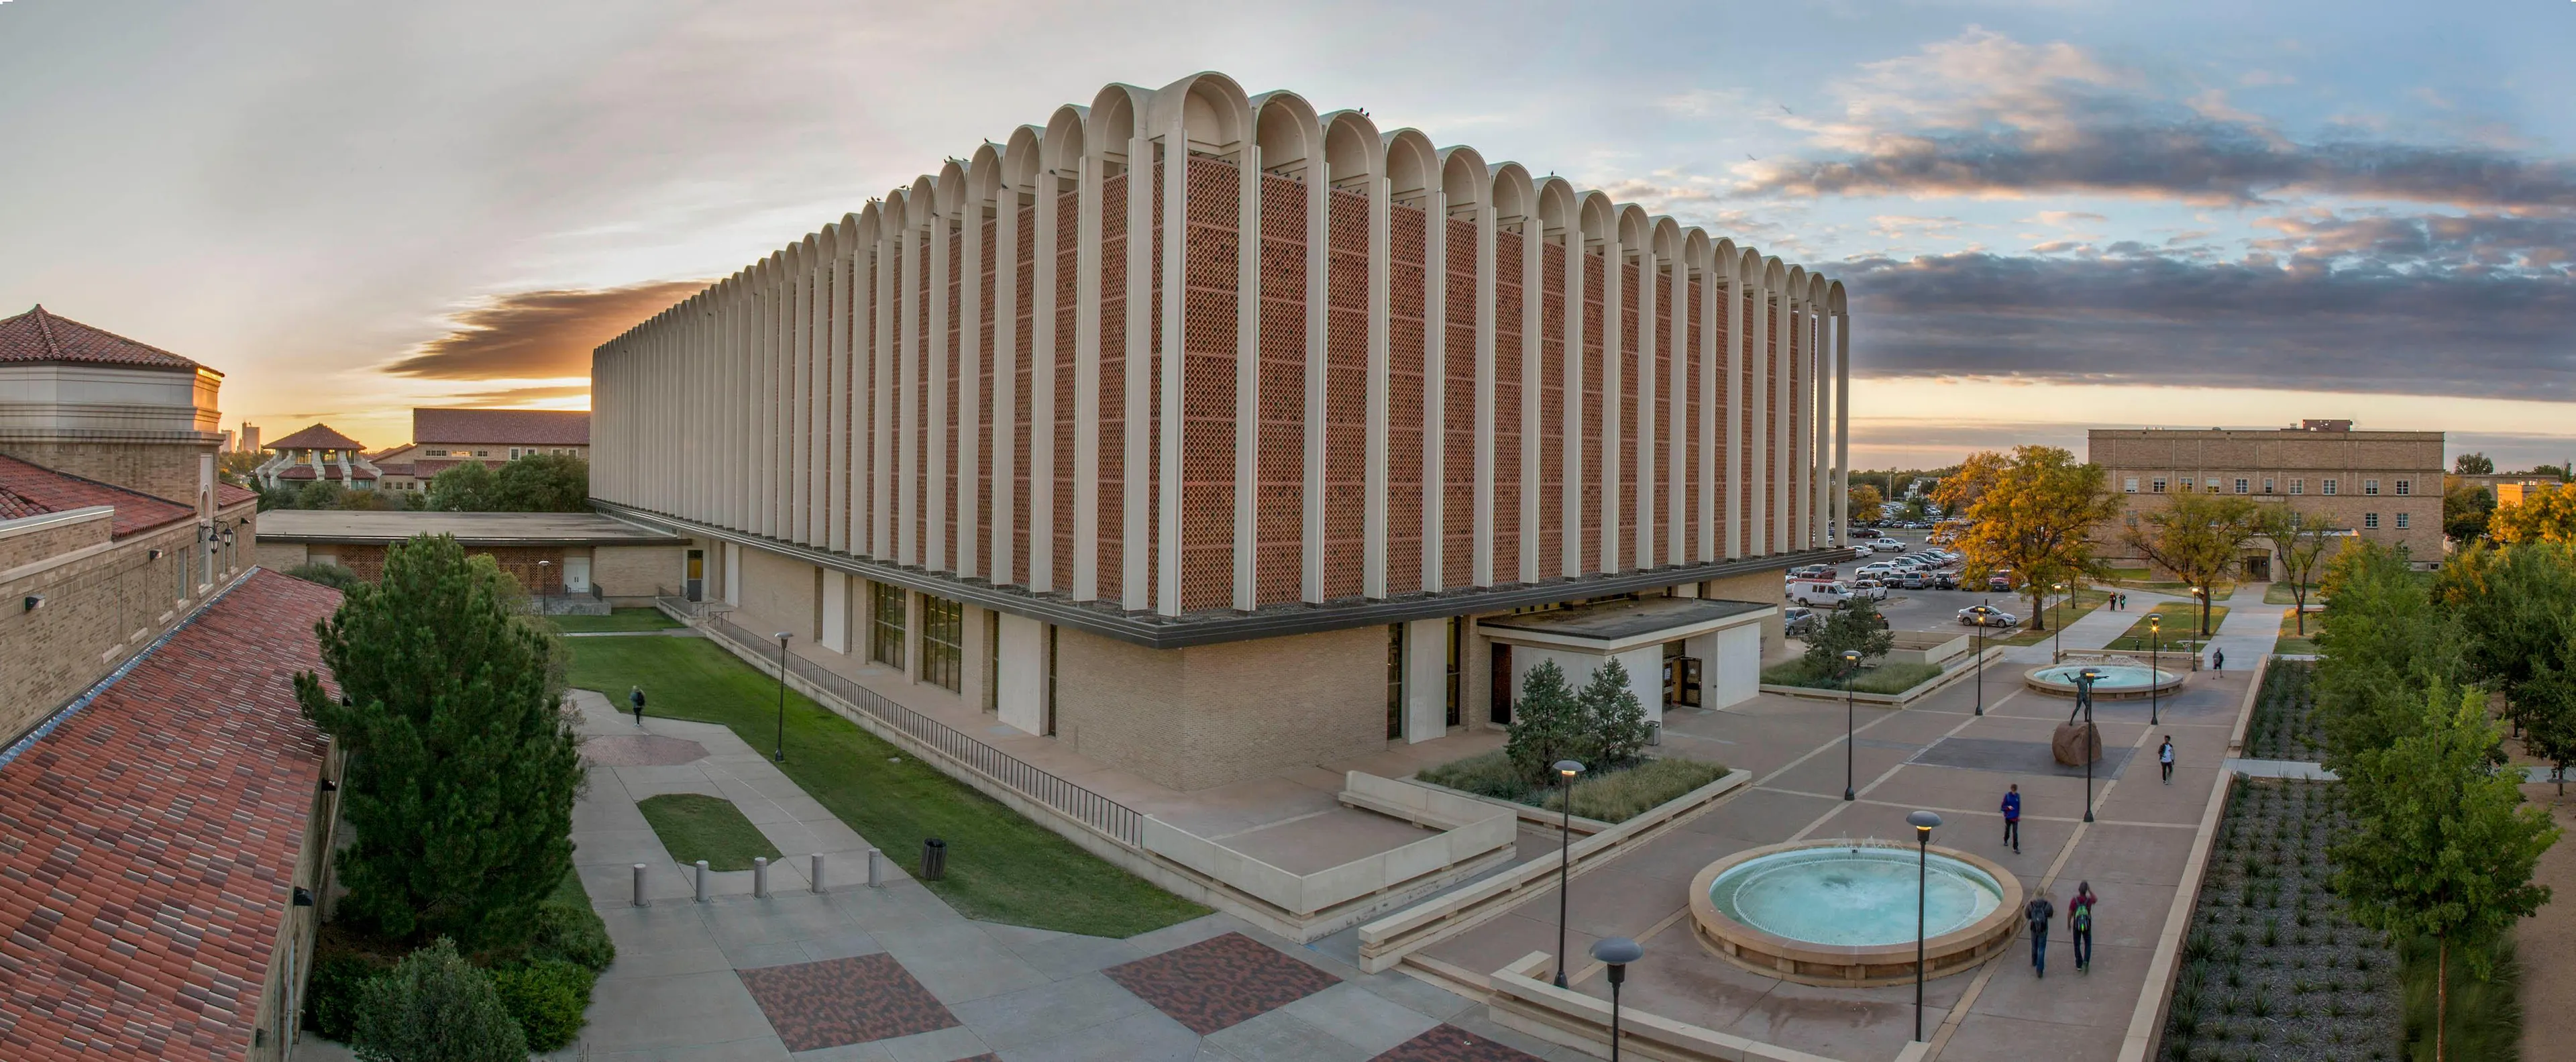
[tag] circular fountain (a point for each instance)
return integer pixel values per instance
(1842, 913)
(2119, 681)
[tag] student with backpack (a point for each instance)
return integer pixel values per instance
(636, 698)
(2012, 818)
(2164, 758)
(2079, 925)
(2038, 912)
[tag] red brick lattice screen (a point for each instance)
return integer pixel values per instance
(1457, 484)
(1509, 336)
(1408, 239)
(1345, 396)
(1109, 522)
(1279, 557)
(1551, 412)
(1208, 398)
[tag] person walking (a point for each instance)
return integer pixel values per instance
(636, 697)
(2012, 818)
(2038, 912)
(2079, 925)
(2217, 659)
(2164, 758)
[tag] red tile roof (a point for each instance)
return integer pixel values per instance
(39, 336)
(317, 437)
(227, 495)
(503, 427)
(40, 490)
(149, 839)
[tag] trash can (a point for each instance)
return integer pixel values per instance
(934, 859)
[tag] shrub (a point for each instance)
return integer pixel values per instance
(1489, 774)
(1545, 723)
(332, 990)
(1618, 796)
(546, 997)
(434, 1007)
(1885, 678)
(568, 929)
(327, 574)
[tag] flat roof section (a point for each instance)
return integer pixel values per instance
(473, 529)
(1614, 626)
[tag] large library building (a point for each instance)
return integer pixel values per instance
(1209, 435)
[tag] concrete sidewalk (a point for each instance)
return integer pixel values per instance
(2092, 630)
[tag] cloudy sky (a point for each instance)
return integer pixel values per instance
(2050, 213)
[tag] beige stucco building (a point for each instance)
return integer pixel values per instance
(1206, 474)
(2383, 486)
(577, 556)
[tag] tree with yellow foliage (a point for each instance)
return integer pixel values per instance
(2031, 511)
(2543, 515)
(2199, 537)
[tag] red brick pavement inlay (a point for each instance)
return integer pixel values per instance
(1221, 982)
(815, 1005)
(1449, 1043)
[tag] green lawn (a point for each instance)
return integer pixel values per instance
(2279, 594)
(2181, 618)
(1880, 678)
(2292, 642)
(624, 619)
(696, 826)
(2060, 613)
(1001, 867)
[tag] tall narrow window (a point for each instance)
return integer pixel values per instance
(1457, 652)
(2370, 487)
(1395, 680)
(943, 629)
(2298, 486)
(2267, 484)
(885, 624)
(992, 661)
(2370, 521)
(2405, 487)
(2241, 486)
(2401, 521)
(2328, 487)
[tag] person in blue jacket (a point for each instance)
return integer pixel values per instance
(2012, 818)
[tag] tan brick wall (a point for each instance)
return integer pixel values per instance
(166, 470)
(637, 571)
(98, 610)
(32, 544)
(779, 590)
(2352, 459)
(281, 556)
(1210, 715)
(1761, 588)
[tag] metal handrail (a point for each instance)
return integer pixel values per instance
(1118, 821)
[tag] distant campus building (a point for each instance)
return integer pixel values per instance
(444, 438)
(163, 825)
(1207, 476)
(2384, 486)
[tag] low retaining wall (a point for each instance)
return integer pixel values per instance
(1519, 1000)
(1469, 831)
(1928, 686)
(1535, 816)
(1385, 942)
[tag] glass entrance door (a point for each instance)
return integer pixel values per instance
(697, 575)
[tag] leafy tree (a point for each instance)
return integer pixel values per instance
(2199, 537)
(542, 483)
(464, 766)
(1866, 502)
(2473, 464)
(2387, 645)
(2302, 549)
(1546, 724)
(2517, 607)
(2549, 713)
(2441, 844)
(433, 1006)
(2557, 472)
(335, 576)
(2544, 515)
(319, 494)
(2034, 512)
(466, 487)
(2465, 509)
(1612, 720)
(1857, 625)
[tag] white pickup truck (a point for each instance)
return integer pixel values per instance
(1831, 593)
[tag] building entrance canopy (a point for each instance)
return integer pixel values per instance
(1719, 643)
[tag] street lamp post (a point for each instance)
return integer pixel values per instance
(2057, 649)
(1923, 822)
(1981, 662)
(2084, 681)
(1565, 772)
(780, 755)
(1616, 953)
(1851, 664)
(2155, 676)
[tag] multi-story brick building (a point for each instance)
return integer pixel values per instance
(1206, 475)
(2384, 486)
(443, 438)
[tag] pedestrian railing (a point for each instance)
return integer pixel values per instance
(1119, 822)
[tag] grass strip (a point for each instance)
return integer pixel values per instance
(2059, 613)
(696, 826)
(624, 619)
(2181, 620)
(1001, 866)
(1885, 678)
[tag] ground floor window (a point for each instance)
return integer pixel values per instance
(885, 624)
(943, 630)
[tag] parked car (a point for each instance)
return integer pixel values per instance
(1910, 579)
(1800, 621)
(1886, 545)
(1945, 580)
(1874, 568)
(1820, 593)
(2000, 582)
(1987, 616)
(1873, 589)
(1812, 571)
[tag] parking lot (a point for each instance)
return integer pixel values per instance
(1915, 610)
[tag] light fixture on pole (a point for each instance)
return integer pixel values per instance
(1616, 953)
(1923, 822)
(1851, 664)
(2057, 650)
(545, 576)
(1983, 613)
(2155, 676)
(2084, 681)
(780, 755)
(1565, 772)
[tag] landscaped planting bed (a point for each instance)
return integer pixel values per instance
(1610, 796)
(2284, 726)
(2272, 968)
(1884, 678)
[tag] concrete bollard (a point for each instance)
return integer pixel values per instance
(876, 869)
(817, 876)
(702, 881)
(760, 877)
(639, 886)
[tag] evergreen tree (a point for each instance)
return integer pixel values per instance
(1857, 625)
(433, 1006)
(2442, 844)
(1546, 724)
(1613, 720)
(463, 764)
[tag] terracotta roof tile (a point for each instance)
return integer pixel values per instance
(39, 336)
(150, 838)
(42, 490)
(502, 427)
(317, 437)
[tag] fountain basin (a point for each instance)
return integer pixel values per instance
(1841, 913)
(2119, 681)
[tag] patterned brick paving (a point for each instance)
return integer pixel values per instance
(815, 1005)
(1449, 1043)
(1221, 982)
(641, 750)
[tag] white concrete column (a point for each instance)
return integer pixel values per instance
(1679, 503)
(1820, 413)
(1086, 378)
(1172, 431)
(907, 446)
(836, 421)
(1319, 267)
(1842, 427)
(1784, 441)
(939, 443)
(1757, 390)
(970, 384)
(1007, 457)
(1533, 383)
(1044, 243)
(1021, 701)
(733, 574)
(886, 377)
(1426, 680)
(1247, 376)
(1136, 551)
(1489, 419)
(836, 611)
